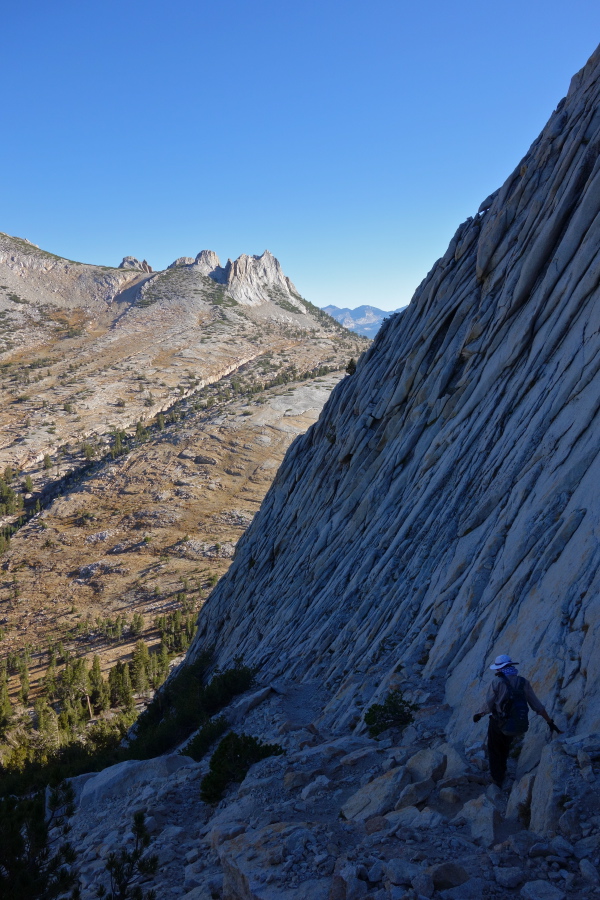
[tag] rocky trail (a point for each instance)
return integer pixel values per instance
(343, 816)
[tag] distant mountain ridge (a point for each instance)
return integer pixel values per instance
(120, 323)
(362, 320)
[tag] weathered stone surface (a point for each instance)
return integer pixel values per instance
(415, 793)
(482, 818)
(423, 884)
(548, 791)
(377, 797)
(128, 776)
(448, 875)
(589, 871)
(519, 801)
(444, 507)
(509, 877)
(426, 764)
(248, 859)
(473, 889)
(400, 871)
(456, 762)
(541, 890)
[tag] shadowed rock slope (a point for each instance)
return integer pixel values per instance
(445, 507)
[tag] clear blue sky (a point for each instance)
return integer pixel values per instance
(348, 138)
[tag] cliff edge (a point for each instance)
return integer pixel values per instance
(445, 507)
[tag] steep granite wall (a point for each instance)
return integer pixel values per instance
(445, 507)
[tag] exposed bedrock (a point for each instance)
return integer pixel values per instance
(445, 507)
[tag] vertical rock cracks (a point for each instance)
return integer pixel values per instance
(445, 507)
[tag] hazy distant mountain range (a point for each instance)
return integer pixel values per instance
(363, 320)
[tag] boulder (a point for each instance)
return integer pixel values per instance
(449, 795)
(569, 824)
(519, 801)
(473, 889)
(482, 818)
(319, 784)
(415, 793)
(400, 871)
(249, 859)
(426, 764)
(411, 817)
(377, 797)
(588, 846)
(130, 776)
(589, 872)
(448, 875)
(238, 712)
(509, 877)
(346, 885)
(423, 884)
(456, 761)
(541, 890)
(548, 791)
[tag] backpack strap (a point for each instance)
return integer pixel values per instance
(510, 688)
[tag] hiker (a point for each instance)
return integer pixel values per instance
(508, 697)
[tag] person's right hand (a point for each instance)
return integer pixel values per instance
(477, 717)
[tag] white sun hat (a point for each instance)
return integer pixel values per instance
(503, 660)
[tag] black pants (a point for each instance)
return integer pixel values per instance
(498, 749)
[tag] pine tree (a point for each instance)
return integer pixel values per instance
(24, 679)
(98, 688)
(5, 704)
(119, 680)
(50, 678)
(140, 665)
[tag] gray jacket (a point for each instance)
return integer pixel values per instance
(498, 690)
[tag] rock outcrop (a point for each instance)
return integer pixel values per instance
(130, 262)
(446, 506)
(250, 280)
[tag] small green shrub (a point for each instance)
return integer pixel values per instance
(127, 866)
(394, 712)
(230, 763)
(207, 735)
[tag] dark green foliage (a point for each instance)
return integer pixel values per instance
(5, 704)
(184, 704)
(31, 868)
(126, 865)
(119, 682)
(176, 630)
(394, 712)
(351, 367)
(207, 735)
(230, 763)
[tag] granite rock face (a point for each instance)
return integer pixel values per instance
(249, 280)
(130, 262)
(445, 508)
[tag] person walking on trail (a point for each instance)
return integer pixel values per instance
(508, 698)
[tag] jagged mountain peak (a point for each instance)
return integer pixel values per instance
(250, 280)
(131, 262)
